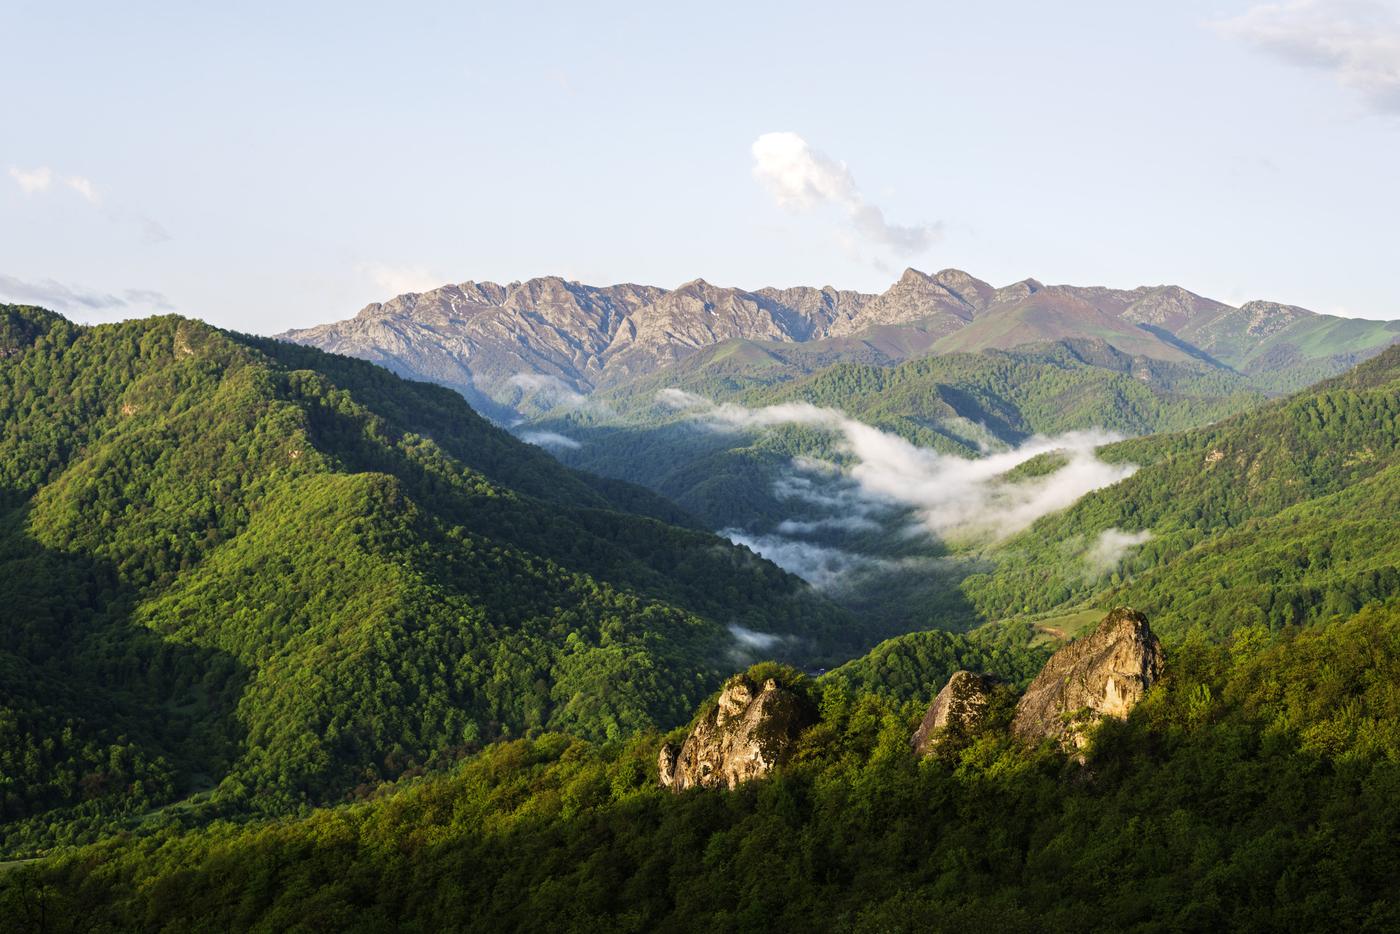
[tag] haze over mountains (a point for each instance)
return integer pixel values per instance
(506, 346)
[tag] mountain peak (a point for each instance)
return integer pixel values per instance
(913, 276)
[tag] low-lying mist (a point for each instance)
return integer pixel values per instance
(888, 485)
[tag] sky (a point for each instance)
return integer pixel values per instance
(265, 166)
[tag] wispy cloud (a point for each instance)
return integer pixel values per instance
(1356, 41)
(801, 178)
(548, 390)
(823, 566)
(952, 496)
(58, 296)
(38, 180)
(41, 179)
(401, 279)
(31, 181)
(550, 439)
(1110, 547)
(83, 187)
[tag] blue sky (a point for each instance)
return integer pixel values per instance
(265, 166)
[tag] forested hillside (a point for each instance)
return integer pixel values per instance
(957, 404)
(263, 575)
(1277, 517)
(1256, 789)
(292, 643)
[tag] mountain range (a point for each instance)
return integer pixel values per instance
(503, 346)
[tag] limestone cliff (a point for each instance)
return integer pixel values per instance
(958, 709)
(1100, 675)
(750, 729)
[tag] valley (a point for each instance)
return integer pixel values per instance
(271, 593)
(873, 468)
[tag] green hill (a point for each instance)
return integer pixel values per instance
(267, 575)
(1278, 516)
(956, 404)
(1257, 788)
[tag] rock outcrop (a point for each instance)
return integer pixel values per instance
(1100, 675)
(958, 709)
(749, 730)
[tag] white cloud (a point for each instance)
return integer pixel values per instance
(550, 392)
(401, 280)
(822, 566)
(32, 180)
(1356, 41)
(1110, 547)
(857, 523)
(801, 178)
(753, 639)
(950, 495)
(57, 296)
(550, 439)
(83, 187)
(41, 179)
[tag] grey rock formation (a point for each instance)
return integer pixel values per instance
(526, 346)
(918, 299)
(959, 708)
(1103, 674)
(750, 729)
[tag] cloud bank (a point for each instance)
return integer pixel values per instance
(951, 496)
(1356, 41)
(801, 178)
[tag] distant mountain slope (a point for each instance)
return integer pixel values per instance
(522, 347)
(1274, 517)
(239, 564)
(955, 403)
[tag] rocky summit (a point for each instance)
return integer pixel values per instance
(528, 346)
(958, 709)
(749, 730)
(1103, 674)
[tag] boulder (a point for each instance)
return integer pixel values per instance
(1100, 675)
(750, 729)
(958, 709)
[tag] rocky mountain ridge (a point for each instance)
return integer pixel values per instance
(504, 345)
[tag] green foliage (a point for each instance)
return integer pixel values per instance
(1256, 788)
(915, 666)
(954, 403)
(1277, 517)
(263, 577)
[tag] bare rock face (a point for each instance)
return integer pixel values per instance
(749, 731)
(1100, 675)
(960, 707)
